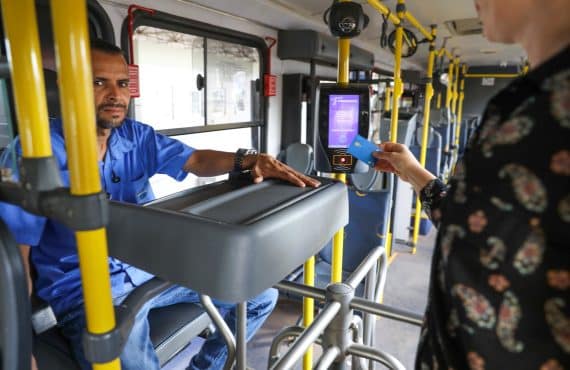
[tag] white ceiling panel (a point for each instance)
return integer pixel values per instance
(297, 14)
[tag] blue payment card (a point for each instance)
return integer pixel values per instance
(363, 149)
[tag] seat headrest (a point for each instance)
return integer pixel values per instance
(299, 156)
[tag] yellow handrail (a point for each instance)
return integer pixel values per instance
(397, 19)
(425, 133)
(26, 68)
(414, 22)
(491, 75)
(383, 9)
(69, 18)
(444, 52)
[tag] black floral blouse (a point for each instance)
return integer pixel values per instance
(500, 279)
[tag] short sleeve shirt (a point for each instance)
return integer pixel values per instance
(135, 153)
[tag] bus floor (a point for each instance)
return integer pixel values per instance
(406, 288)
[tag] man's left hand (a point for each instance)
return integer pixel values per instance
(268, 167)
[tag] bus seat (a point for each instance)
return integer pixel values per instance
(171, 329)
(463, 137)
(299, 156)
(15, 323)
(433, 153)
(444, 131)
(368, 214)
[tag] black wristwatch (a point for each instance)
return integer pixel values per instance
(240, 156)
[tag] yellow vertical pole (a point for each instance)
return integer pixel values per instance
(425, 133)
(438, 102)
(460, 110)
(398, 84)
(24, 54)
(69, 19)
(454, 110)
(308, 307)
(449, 92)
(455, 95)
(448, 98)
(398, 91)
(387, 97)
(338, 239)
(461, 98)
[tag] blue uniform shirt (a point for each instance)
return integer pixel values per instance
(134, 153)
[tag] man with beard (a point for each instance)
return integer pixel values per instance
(129, 153)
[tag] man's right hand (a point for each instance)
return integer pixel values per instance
(397, 158)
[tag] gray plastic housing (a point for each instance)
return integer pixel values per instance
(307, 45)
(229, 242)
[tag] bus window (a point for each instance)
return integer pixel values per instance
(201, 90)
(230, 140)
(169, 96)
(232, 71)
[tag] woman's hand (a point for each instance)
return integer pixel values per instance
(397, 158)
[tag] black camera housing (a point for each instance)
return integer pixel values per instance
(347, 19)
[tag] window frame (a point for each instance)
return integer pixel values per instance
(207, 31)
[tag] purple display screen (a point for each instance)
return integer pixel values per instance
(343, 119)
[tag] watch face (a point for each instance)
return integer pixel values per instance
(240, 154)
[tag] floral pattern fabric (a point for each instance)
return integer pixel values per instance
(500, 286)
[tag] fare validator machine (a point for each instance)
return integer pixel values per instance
(343, 111)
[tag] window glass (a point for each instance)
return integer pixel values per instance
(232, 72)
(225, 140)
(169, 63)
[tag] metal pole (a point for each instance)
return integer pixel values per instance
(292, 331)
(24, 55)
(387, 97)
(71, 36)
(385, 11)
(327, 358)
(386, 311)
(449, 92)
(309, 266)
(398, 84)
(338, 239)
(396, 95)
(425, 134)
(372, 354)
(454, 110)
(301, 290)
(308, 337)
(362, 270)
(308, 307)
(241, 332)
(414, 22)
(492, 75)
(221, 325)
